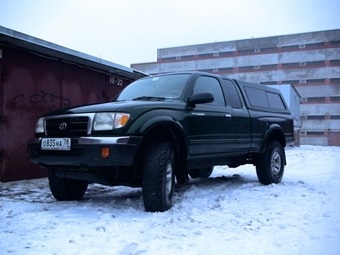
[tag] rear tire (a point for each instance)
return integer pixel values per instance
(270, 164)
(64, 189)
(158, 177)
(201, 172)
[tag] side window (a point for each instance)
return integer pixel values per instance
(211, 85)
(233, 94)
(257, 97)
(264, 99)
(275, 101)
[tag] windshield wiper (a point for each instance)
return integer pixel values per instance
(149, 98)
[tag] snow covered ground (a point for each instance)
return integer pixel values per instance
(229, 213)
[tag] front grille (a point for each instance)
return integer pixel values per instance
(75, 126)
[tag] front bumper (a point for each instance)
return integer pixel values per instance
(85, 152)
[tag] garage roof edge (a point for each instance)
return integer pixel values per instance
(18, 39)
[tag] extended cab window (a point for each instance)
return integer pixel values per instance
(211, 85)
(233, 94)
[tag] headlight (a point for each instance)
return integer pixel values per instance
(40, 126)
(108, 121)
(103, 121)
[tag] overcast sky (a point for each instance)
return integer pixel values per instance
(131, 31)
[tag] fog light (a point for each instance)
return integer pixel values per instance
(105, 152)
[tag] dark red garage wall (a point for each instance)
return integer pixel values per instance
(31, 86)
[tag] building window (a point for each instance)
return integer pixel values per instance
(186, 57)
(246, 68)
(335, 43)
(315, 133)
(269, 49)
(205, 55)
(311, 45)
(290, 64)
(315, 63)
(335, 98)
(268, 83)
(290, 47)
(226, 69)
(226, 53)
(246, 51)
(269, 66)
(335, 62)
(302, 64)
(169, 58)
(335, 80)
(315, 117)
(335, 117)
(290, 81)
(316, 99)
(315, 80)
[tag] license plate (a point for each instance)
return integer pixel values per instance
(63, 144)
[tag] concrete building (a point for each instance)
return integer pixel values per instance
(308, 61)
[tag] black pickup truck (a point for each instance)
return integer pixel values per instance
(162, 129)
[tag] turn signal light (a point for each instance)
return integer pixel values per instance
(105, 152)
(121, 119)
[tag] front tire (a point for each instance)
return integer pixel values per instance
(158, 177)
(270, 164)
(64, 189)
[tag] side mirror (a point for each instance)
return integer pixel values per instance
(201, 98)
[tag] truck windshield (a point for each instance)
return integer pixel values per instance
(155, 88)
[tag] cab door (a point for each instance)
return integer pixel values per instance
(241, 128)
(209, 124)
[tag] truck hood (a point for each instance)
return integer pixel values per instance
(123, 106)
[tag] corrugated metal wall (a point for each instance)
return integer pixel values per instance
(30, 86)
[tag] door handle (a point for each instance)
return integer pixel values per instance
(227, 115)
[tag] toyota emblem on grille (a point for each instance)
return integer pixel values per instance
(63, 126)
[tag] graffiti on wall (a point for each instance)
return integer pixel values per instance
(44, 101)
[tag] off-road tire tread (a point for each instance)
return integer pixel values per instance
(263, 164)
(201, 172)
(154, 177)
(66, 189)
